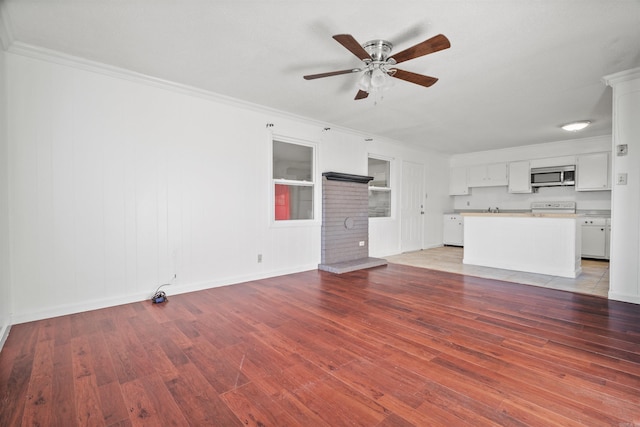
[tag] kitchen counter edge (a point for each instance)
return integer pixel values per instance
(523, 214)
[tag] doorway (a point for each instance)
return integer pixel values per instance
(412, 207)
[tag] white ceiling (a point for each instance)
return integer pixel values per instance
(516, 69)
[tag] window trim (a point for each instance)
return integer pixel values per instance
(391, 189)
(317, 197)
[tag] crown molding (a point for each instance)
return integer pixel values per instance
(622, 76)
(56, 57)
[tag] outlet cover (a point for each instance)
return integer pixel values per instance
(622, 179)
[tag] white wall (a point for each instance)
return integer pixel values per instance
(385, 232)
(499, 197)
(341, 152)
(437, 201)
(625, 210)
(118, 183)
(5, 296)
(483, 198)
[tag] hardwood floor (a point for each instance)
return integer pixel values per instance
(390, 346)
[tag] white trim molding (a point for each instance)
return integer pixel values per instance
(100, 303)
(622, 76)
(4, 334)
(56, 57)
(616, 296)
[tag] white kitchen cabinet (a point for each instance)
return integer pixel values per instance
(458, 185)
(550, 162)
(520, 177)
(594, 237)
(491, 175)
(592, 172)
(453, 230)
(477, 175)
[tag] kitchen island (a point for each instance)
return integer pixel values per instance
(536, 243)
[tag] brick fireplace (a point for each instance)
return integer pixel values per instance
(345, 223)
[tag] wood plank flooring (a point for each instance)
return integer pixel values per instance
(389, 346)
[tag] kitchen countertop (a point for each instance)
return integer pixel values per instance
(523, 214)
(464, 211)
(595, 213)
(583, 212)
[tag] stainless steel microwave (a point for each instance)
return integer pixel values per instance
(553, 176)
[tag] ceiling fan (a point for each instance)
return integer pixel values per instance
(378, 64)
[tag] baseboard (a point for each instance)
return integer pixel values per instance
(634, 299)
(174, 289)
(4, 334)
(433, 246)
(210, 284)
(65, 309)
(526, 268)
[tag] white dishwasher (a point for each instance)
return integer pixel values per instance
(453, 231)
(594, 237)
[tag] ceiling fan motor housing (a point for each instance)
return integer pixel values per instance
(379, 50)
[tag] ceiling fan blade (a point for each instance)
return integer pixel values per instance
(332, 73)
(418, 79)
(361, 95)
(352, 45)
(434, 44)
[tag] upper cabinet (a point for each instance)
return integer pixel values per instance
(549, 162)
(520, 177)
(592, 172)
(492, 175)
(458, 185)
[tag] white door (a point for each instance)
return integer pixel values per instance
(413, 208)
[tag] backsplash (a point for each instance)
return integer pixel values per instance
(492, 197)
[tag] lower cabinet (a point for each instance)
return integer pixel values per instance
(453, 230)
(595, 238)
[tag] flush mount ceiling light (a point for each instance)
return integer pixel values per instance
(576, 126)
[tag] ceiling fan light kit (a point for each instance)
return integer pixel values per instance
(378, 77)
(378, 66)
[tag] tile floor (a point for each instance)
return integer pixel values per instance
(594, 279)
